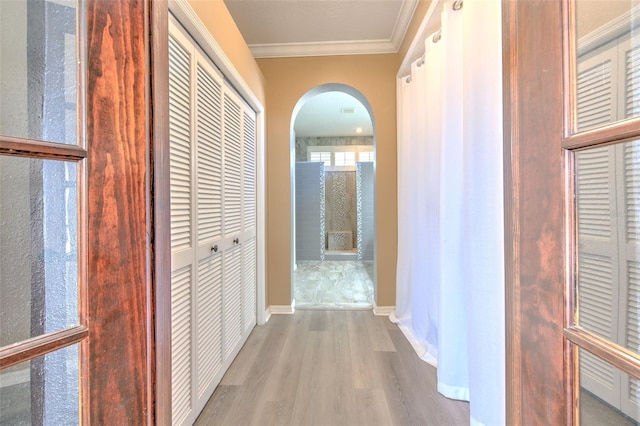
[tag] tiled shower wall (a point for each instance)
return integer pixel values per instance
(310, 211)
(340, 203)
(303, 142)
(366, 222)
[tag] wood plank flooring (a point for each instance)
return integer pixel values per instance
(330, 368)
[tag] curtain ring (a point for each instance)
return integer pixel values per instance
(457, 5)
(437, 36)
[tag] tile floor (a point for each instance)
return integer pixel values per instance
(333, 284)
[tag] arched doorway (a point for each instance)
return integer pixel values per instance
(333, 204)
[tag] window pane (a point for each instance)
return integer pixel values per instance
(38, 70)
(608, 396)
(365, 156)
(608, 79)
(38, 247)
(345, 158)
(41, 391)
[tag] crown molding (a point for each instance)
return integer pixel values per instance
(288, 50)
(612, 29)
(405, 15)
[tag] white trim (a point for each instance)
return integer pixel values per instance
(612, 29)
(383, 311)
(323, 48)
(192, 23)
(429, 25)
(281, 309)
(407, 9)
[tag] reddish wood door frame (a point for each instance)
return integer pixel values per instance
(119, 371)
(534, 202)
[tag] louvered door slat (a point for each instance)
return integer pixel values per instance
(209, 142)
(209, 321)
(181, 281)
(180, 145)
(232, 166)
(632, 80)
(632, 190)
(249, 270)
(249, 174)
(593, 195)
(595, 98)
(595, 274)
(232, 299)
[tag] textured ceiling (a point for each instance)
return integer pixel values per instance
(321, 27)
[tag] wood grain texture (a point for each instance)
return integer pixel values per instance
(118, 207)
(534, 194)
(161, 207)
(327, 368)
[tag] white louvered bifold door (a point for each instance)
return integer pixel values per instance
(597, 265)
(249, 219)
(212, 238)
(630, 270)
(181, 168)
(208, 338)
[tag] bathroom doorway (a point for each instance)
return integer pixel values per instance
(333, 157)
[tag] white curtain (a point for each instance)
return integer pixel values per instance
(450, 279)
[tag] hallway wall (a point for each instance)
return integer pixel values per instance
(287, 80)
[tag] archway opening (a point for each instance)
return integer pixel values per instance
(333, 200)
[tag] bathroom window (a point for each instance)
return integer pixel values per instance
(321, 156)
(340, 158)
(346, 158)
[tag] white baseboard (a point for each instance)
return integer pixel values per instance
(281, 310)
(383, 311)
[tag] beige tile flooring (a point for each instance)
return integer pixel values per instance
(333, 285)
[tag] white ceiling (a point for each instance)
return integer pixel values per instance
(285, 28)
(322, 116)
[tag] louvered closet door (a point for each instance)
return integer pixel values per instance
(597, 265)
(212, 138)
(182, 221)
(208, 336)
(249, 219)
(598, 101)
(232, 292)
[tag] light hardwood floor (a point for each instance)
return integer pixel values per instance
(330, 368)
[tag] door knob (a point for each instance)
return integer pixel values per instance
(214, 248)
(236, 241)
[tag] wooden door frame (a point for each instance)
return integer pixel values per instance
(126, 258)
(535, 255)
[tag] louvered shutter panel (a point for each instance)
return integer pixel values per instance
(232, 299)
(632, 82)
(232, 165)
(249, 272)
(181, 344)
(209, 141)
(209, 318)
(596, 268)
(180, 145)
(630, 252)
(594, 194)
(597, 93)
(249, 171)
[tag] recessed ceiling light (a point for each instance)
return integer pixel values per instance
(358, 129)
(348, 110)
